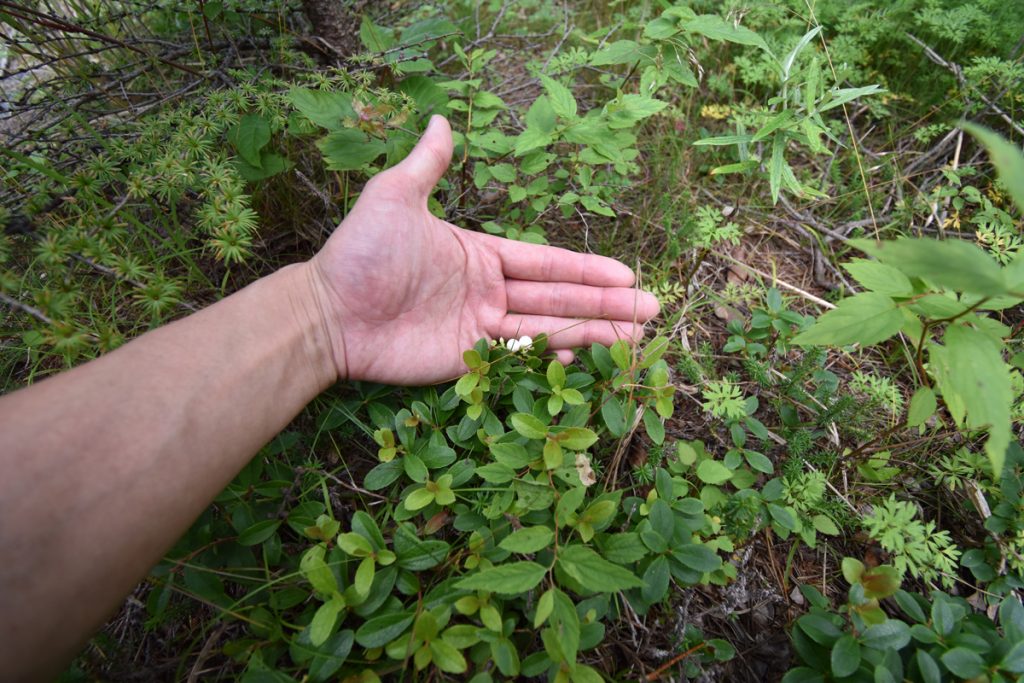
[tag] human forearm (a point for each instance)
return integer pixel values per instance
(106, 466)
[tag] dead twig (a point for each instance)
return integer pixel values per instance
(958, 74)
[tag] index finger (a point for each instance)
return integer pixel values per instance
(539, 263)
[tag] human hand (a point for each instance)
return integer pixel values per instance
(403, 293)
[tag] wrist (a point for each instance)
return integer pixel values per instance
(316, 322)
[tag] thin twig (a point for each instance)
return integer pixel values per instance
(958, 74)
(785, 285)
(656, 674)
(25, 308)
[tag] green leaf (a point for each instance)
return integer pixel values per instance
(383, 475)
(528, 425)
(723, 140)
(446, 657)
(619, 52)
(562, 100)
(943, 619)
(576, 438)
(910, 606)
(323, 621)
(738, 167)
(373, 37)
(697, 557)
(271, 164)
(259, 532)
(416, 554)
(1011, 617)
(331, 656)
(554, 457)
(585, 674)
(867, 318)
(628, 109)
(1014, 659)
(963, 662)
(419, 499)
(656, 580)
(592, 203)
(467, 383)
(613, 415)
(853, 569)
(325, 109)
(661, 28)
(414, 468)
(544, 607)
(505, 173)
(837, 98)
(531, 139)
(952, 263)
(879, 277)
(511, 455)
(845, 656)
(777, 165)
(540, 117)
(568, 504)
(1006, 157)
(348, 149)
(773, 124)
(509, 578)
(556, 374)
(496, 473)
(787, 63)
(595, 573)
(623, 548)
(782, 516)
(364, 576)
(929, 668)
(975, 385)
(713, 472)
(250, 136)
(802, 674)
(379, 631)
(620, 353)
(487, 100)
(820, 629)
(825, 525)
(717, 28)
(759, 461)
(890, 634)
(528, 540)
(316, 571)
(355, 545)
(922, 406)
(654, 426)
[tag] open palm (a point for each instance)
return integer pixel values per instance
(405, 293)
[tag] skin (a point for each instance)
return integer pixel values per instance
(106, 465)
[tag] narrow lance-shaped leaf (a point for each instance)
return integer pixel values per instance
(841, 97)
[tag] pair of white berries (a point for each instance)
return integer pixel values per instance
(524, 344)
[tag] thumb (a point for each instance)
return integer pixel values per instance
(429, 159)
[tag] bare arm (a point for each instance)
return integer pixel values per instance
(106, 465)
